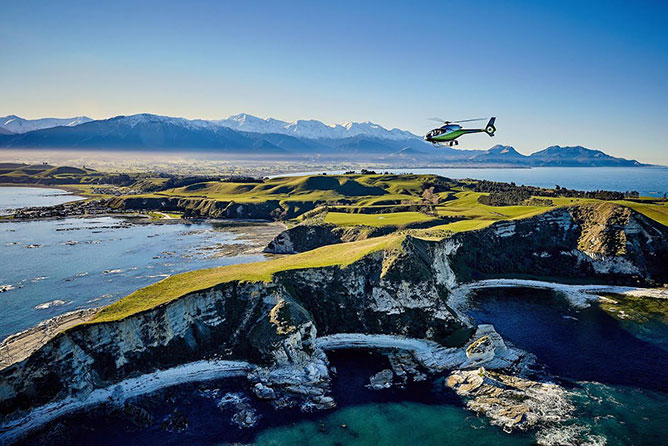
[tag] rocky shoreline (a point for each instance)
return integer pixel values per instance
(305, 385)
(17, 347)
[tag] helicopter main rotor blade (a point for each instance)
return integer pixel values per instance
(436, 119)
(471, 120)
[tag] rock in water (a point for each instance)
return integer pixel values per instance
(137, 415)
(404, 367)
(509, 401)
(175, 422)
(246, 416)
(264, 392)
(381, 380)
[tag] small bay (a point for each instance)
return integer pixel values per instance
(17, 197)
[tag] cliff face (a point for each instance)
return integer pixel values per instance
(305, 237)
(601, 241)
(273, 325)
(209, 208)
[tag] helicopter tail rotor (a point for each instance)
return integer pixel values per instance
(489, 128)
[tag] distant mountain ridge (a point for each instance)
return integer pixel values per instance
(247, 134)
(576, 156)
(553, 156)
(15, 124)
(312, 129)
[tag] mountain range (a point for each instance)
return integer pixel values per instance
(14, 124)
(249, 135)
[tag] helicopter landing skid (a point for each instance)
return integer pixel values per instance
(450, 143)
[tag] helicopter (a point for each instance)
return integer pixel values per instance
(448, 133)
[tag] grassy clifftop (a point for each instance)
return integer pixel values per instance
(453, 201)
(176, 286)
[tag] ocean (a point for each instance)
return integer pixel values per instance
(648, 181)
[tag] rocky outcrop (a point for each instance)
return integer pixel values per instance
(306, 237)
(381, 380)
(601, 241)
(509, 401)
(311, 235)
(201, 207)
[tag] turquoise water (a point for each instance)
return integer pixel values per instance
(15, 197)
(648, 181)
(609, 415)
(420, 415)
(396, 423)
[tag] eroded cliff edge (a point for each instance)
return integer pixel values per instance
(275, 325)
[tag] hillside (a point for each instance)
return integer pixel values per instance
(379, 203)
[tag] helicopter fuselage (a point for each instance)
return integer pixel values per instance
(441, 135)
(449, 133)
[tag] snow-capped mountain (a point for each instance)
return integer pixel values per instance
(15, 124)
(142, 132)
(312, 129)
(309, 129)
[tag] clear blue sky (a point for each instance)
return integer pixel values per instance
(567, 72)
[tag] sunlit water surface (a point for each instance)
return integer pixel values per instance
(17, 197)
(54, 266)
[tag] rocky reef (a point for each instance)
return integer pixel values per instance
(509, 401)
(277, 333)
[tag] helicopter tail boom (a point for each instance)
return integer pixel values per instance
(489, 128)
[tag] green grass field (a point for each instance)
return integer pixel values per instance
(397, 219)
(354, 190)
(658, 212)
(364, 189)
(459, 226)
